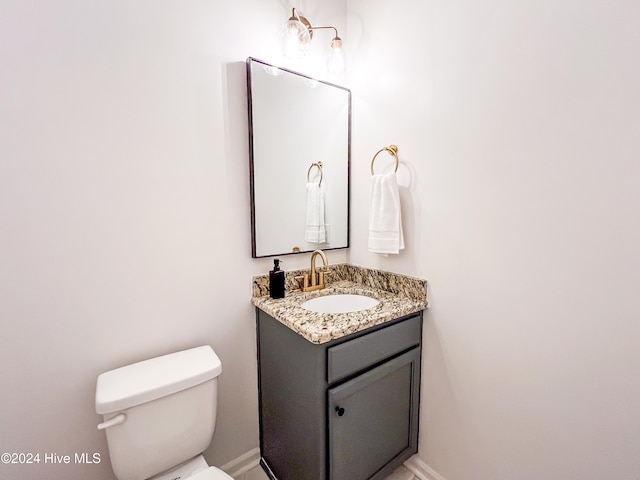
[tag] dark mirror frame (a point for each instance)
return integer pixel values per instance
(252, 179)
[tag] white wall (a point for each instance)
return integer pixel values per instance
(125, 216)
(124, 209)
(518, 127)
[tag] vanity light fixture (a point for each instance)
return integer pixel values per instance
(295, 39)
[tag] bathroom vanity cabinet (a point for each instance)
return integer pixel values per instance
(346, 409)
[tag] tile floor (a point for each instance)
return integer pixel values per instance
(257, 474)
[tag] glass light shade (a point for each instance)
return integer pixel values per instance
(294, 39)
(336, 61)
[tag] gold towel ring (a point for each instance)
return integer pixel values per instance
(391, 150)
(319, 166)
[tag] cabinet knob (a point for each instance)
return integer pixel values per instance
(340, 411)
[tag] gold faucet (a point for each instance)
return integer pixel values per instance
(315, 280)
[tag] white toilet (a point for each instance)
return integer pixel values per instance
(160, 414)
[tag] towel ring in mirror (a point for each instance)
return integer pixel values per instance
(319, 167)
(391, 150)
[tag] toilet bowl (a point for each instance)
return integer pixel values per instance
(160, 414)
(211, 473)
(195, 469)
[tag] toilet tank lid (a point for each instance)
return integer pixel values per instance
(148, 380)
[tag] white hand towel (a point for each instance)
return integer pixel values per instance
(385, 221)
(315, 229)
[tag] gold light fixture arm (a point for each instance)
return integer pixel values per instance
(303, 20)
(299, 35)
(306, 23)
(325, 28)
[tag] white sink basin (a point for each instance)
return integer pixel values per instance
(340, 303)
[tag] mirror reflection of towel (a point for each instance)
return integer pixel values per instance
(315, 229)
(385, 222)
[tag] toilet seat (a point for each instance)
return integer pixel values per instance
(211, 473)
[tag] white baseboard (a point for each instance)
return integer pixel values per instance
(242, 464)
(251, 459)
(421, 469)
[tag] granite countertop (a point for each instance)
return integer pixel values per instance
(399, 295)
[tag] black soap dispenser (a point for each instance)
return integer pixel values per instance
(276, 280)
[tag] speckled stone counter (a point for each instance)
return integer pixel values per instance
(399, 295)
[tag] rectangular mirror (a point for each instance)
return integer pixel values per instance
(299, 149)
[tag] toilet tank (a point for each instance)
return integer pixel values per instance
(163, 411)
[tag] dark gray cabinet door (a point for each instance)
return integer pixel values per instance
(373, 418)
